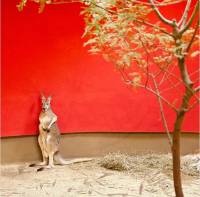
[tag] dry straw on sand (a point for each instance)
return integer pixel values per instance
(190, 164)
(148, 175)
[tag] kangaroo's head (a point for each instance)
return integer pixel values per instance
(46, 103)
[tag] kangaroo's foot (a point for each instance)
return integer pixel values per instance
(45, 167)
(44, 163)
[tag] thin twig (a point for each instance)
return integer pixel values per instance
(193, 73)
(172, 74)
(147, 59)
(63, 2)
(165, 73)
(159, 4)
(162, 112)
(171, 82)
(174, 86)
(193, 105)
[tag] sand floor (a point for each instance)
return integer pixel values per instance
(89, 179)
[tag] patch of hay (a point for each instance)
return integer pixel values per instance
(190, 165)
(116, 161)
(124, 162)
(150, 161)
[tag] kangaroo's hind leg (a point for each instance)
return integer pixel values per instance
(44, 154)
(52, 148)
(51, 162)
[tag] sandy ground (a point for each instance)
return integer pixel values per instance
(89, 179)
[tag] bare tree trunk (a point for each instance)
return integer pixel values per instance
(178, 125)
(176, 155)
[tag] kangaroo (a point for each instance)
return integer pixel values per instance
(49, 138)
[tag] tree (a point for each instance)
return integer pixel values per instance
(147, 54)
(151, 54)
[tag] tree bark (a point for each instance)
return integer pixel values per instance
(178, 125)
(176, 155)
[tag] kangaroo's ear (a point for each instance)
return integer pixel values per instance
(49, 99)
(42, 97)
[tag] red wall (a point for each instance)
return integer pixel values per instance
(44, 52)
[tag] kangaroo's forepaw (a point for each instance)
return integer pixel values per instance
(46, 129)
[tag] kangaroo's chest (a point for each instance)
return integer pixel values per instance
(46, 118)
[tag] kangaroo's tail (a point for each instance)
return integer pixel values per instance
(61, 161)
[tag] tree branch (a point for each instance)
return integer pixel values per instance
(162, 18)
(163, 99)
(185, 14)
(129, 81)
(135, 19)
(21, 5)
(154, 26)
(197, 89)
(192, 39)
(195, 11)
